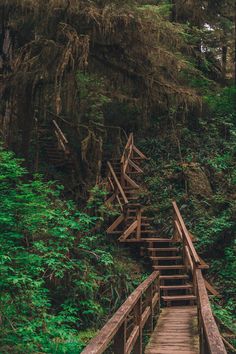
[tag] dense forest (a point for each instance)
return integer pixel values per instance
(86, 74)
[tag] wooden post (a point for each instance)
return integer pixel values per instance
(122, 179)
(149, 295)
(119, 346)
(137, 322)
(159, 295)
(139, 219)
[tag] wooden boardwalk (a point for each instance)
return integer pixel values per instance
(185, 324)
(176, 332)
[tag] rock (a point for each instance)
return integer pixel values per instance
(197, 180)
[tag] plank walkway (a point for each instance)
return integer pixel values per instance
(176, 332)
(175, 264)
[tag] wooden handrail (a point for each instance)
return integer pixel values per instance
(115, 329)
(126, 160)
(117, 183)
(62, 141)
(185, 234)
(127, 148)
(60, 133)
(210, 337)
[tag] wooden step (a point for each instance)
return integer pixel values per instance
(115, 232)
(161, 240)
(169, 267)
(146, 231)
(174, 277)
(131, 204)
(164, 249)
(144, 218)
(179, 298)
(167, 258)
(176, 287)
(156, 239)
(134, 173)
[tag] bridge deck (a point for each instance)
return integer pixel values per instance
(176, 332)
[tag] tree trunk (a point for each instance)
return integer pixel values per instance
(224, 63)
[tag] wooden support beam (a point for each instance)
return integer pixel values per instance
(129, 231)
(116, 223)
(139, 153)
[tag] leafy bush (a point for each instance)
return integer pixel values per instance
(59, 276)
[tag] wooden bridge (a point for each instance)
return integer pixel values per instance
(172, 304)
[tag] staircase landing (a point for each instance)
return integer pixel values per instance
(176, 332)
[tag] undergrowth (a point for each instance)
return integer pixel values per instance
(60, 275)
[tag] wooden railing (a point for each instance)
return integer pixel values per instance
(118, 192)
(124, 331)
(63, 143)
(210, 338)
(127, 162)
(134, 228)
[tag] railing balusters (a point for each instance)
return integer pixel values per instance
(119, 346)
(116, 330)
(210, 339)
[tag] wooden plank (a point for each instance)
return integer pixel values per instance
(129, 231)
(176, 332)
(119, 346)
(130, 181)
(132, 339)
(129, 142)
(210, 288)
(204, 265)
(139, 153)
(139, 220)
(116, 223)
(211, 331)
(100, 343)
(117, 183)
(136, 167)
(186, 235)
(146, 314)
(59, 131)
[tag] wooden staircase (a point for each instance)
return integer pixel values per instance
(176, 286)
(174, 296)
(55, 146)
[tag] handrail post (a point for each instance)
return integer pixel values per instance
(149, 295)
(119, 346)
(139, 219)
(122, 178)
(137, 322)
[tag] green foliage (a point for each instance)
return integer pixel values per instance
(92, 96)
(54, 266)
(223, 103)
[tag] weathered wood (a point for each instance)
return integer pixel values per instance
(176, 332)
(116, 325)
(136, 167)
(130, 181)
(60, 133)
(118, 185)
(139, 221)
(211, 332)
(129, 231)
(186, 234)
(139, 153)
(116, 223)
(119, 346)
